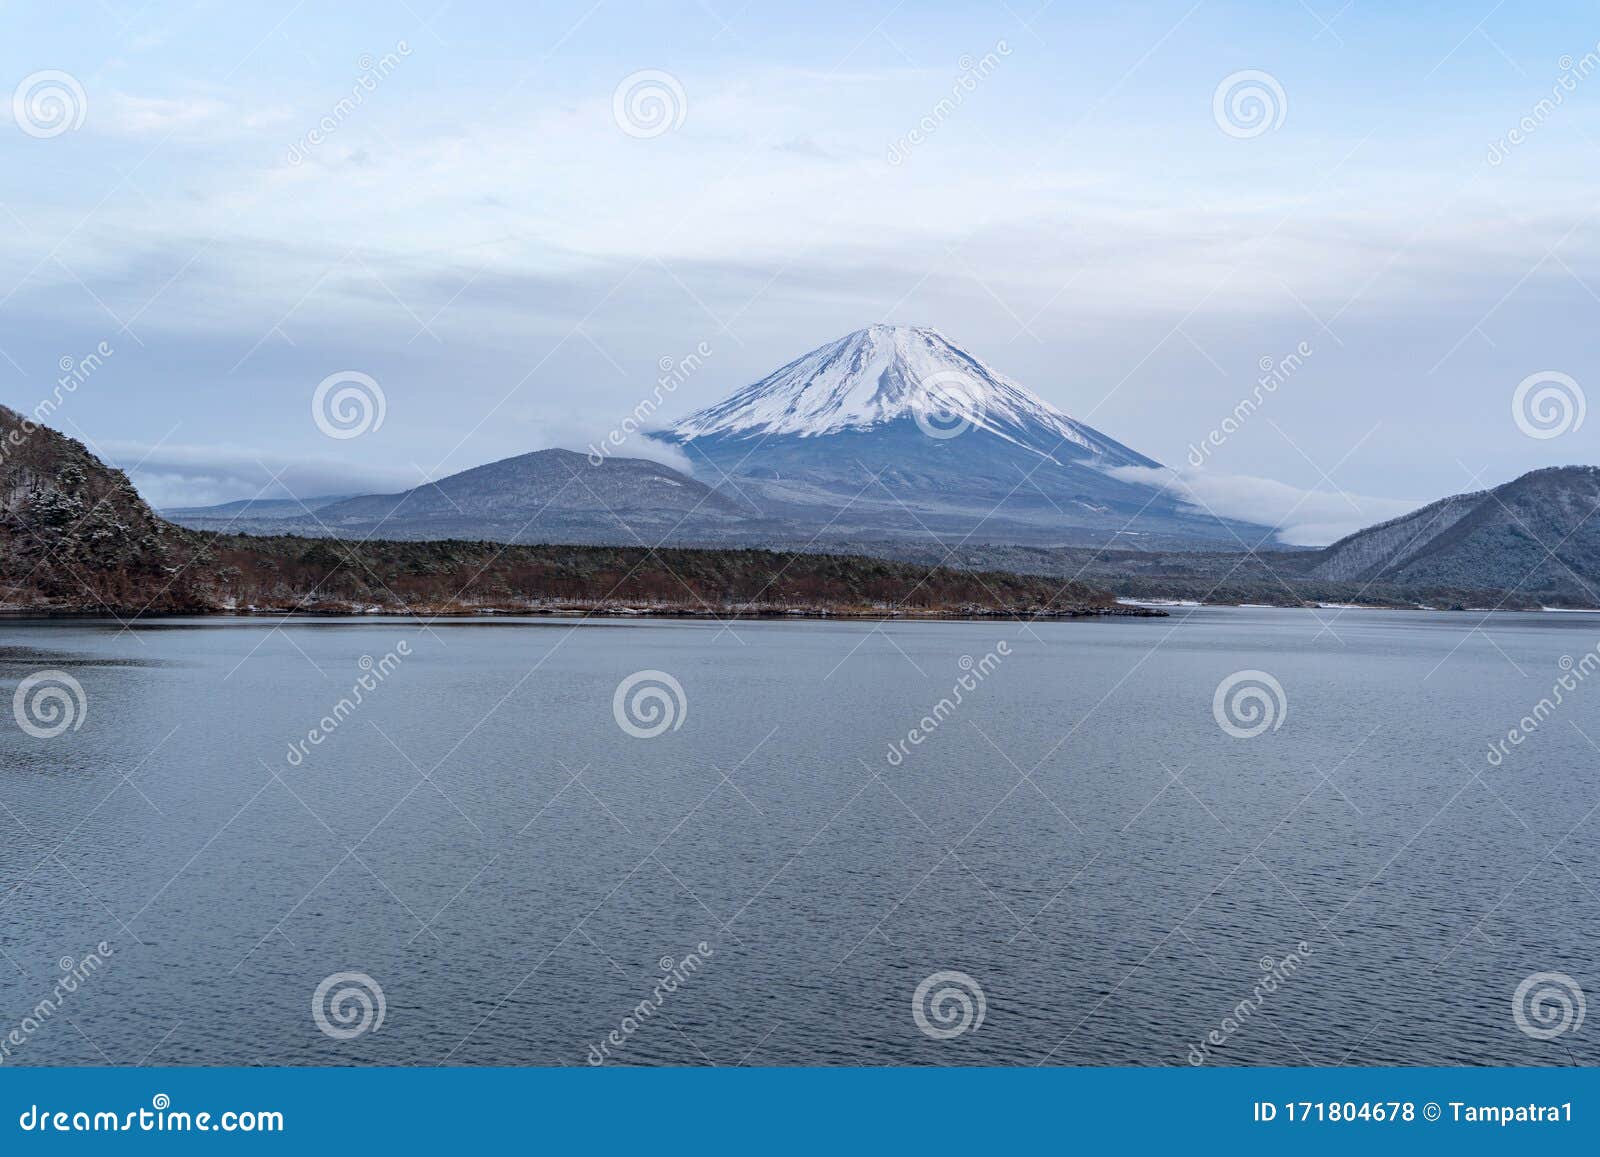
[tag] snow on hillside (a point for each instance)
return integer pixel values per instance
(886, 374)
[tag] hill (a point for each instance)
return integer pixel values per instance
(76, 538)
(1534, 536)
(547, 495)
(73, 531)
(1532, 542)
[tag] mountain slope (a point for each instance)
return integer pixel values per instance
(539, 497)
(245, 510)
(1532, 542)
(1367, 552)
(895, 432)
(885, 374)
(74, 531)
(1537, 534)
(75, 537)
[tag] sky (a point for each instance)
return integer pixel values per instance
(462, 203)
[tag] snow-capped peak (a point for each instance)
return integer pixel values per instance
(890, 373)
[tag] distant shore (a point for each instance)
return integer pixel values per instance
(1195, 604)
(713, 614)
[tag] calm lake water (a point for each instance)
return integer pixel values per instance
(1080, 837)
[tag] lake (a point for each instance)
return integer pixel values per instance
(763, 847)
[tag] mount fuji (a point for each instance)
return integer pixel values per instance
(896, 432)
(891, 438)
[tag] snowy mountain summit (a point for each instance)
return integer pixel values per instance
(895, 432)
(888, 374)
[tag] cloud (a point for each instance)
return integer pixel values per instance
(616, 436)
(198, 116)
(171, 476)
(803, 145)
(177, 475)
(668, 455)
(146, 114)
(769, 223)
(1301, 517)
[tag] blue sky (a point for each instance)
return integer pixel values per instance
(481, 236)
